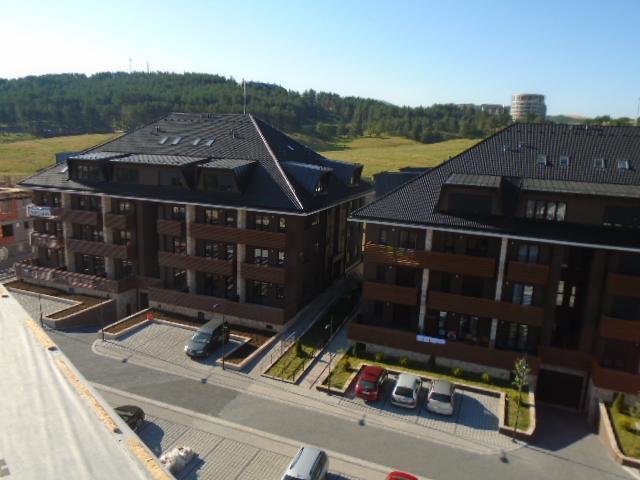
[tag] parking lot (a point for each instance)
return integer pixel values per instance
(475, 413)
(164, 344)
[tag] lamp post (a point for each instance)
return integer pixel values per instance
(330, 327)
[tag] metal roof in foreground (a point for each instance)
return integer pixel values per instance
(53, 424)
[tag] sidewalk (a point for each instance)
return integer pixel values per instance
(227, 450)
(331, 354)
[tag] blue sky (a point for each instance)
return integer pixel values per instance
(583, 55)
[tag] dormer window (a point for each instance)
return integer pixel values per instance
(599, 163)
(219, 182)
(176, 141)
(163, 140)
(564, 161)
(195, 142)
(623, 164)
(321, 186)
(541, 159)
(355, 179)
(210, 142)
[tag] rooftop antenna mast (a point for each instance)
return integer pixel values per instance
(244, 97)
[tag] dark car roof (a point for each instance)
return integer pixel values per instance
(371, 372)
(210, 326)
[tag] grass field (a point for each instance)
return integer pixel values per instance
(391, 153)
(25, 157)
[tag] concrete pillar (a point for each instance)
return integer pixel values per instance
(241, 256)
(67, 232)
(191, 247)
(107, 235)
(591, 312)
(555, 270)
(504, 244)
(428, 242)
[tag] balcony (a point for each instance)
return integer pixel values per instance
(259, 313)
(43, 211)
(386, 292)
(563, 357)
(442, 262)
(618, 329)
(261, 273)
(44, 240)
(32, 273)
(623, 285)
(616, 380)
(172, 228)
(200, 264)
(402, 340)
(82, 217)
(102, 249)
(528, 274)
(119, 221)
(217, 233)
(487, 308)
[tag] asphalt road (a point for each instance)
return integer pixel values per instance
(566, 445)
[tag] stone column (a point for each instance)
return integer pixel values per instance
(428, 241)
(504, 244)
(67, 232)
(191, 247)
(555, 270)
(592, 310)
(241, 256)
(107, 235)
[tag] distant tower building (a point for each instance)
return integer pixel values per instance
(523, 104)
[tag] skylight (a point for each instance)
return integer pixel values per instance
(176, 141)
(564, 161)
(541, 159)
(163, 140)
(196, 142)
(290, 147)
(210, 142)
(623, 164)
(599, 163)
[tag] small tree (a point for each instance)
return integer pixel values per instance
(520, 380)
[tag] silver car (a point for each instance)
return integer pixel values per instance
(310, 463)
(407, 390)
(441, 396)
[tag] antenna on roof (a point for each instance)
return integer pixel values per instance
(244, 97)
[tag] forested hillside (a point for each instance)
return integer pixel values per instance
(74, 103)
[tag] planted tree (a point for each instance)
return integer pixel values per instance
(520, 380)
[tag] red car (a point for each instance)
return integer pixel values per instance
(370, 383)
(401, 476)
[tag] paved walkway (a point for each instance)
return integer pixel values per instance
(331, 354)
(227, 450)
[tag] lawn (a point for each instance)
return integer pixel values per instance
(392, 153)
(25, 157)
(628, 437)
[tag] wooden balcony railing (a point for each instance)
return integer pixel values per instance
(102, 249)
(623, 285)
(261, 273)
(250, 311)
(172, 228)
(616, 380)
(484, 307)
(45, 240)
(82, 217)
(563, 357)
(200, 264)
(403, 340)
(258, 238)
(528, 274)
(618, 329)
(119, 221)
(442, 262)
(386, 292)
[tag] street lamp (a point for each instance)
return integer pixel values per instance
(330, 327)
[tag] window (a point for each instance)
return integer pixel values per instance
(230, 251)
(171, 178)
(179, 246)
(280, 292)
(315, 220)
(542, 210)
(531, 209)
(449, 243)
(383, 236)
(261, 256)
(564, 161)
(477, 247)
(126, 175)
(124, 207)
(96, 235)
(623, 164)
(551, 211)
(260, 289)
(408, 239)
(163, 140)
(178, 212)
(280, 261)
(179, 279)
(262, 222)
(282, 224)
(84, 263)
(210, 142)
(621, 217)
(122, 237)
(219, 182)
(230, 219)
(211, 216)
(195, 142)
(470, 203)
(89, 173)
(522, 294)
(176, 141)
(211, 249)
(7, 230)
(560, 294)
(541, 159)
(125, 268)
(98, 267)
(355, 179)
(321, 186)
(528, 253)
(599, 163)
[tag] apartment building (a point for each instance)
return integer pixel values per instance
(525, 104)
(14, 224)
(198, 214)
(526, 244)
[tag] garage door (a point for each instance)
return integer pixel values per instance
(559, 388)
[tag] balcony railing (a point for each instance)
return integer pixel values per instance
(261, 273)
(386, 292)
(217, 233)
(618, 329)
(43, 211)
(119, 221)
(623, 285)
(31, 272)
(563, 357)
(102, 249)
(172, 228)
(484, 307)
(528, 274)
(200, 264)
(82, 217)
(45, 240)
(616, 380)
(442, 262)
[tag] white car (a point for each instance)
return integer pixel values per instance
(406, 391)
(440, 397)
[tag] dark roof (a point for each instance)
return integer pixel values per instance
(96, 156)
(208, 139)
(580, 188)
(472, 180)
(387, 181)
(511, 154)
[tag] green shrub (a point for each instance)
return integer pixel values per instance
(379, 357)
(347, 364)
(458, 372)
(485, 377)
(618, 403)
(404, 362)
(298, 348)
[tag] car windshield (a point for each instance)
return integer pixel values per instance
(441, 397)
(201, 337)
(367, 385)
(404, 392)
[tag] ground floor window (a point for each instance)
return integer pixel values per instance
(465, 328)
(517, 337)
